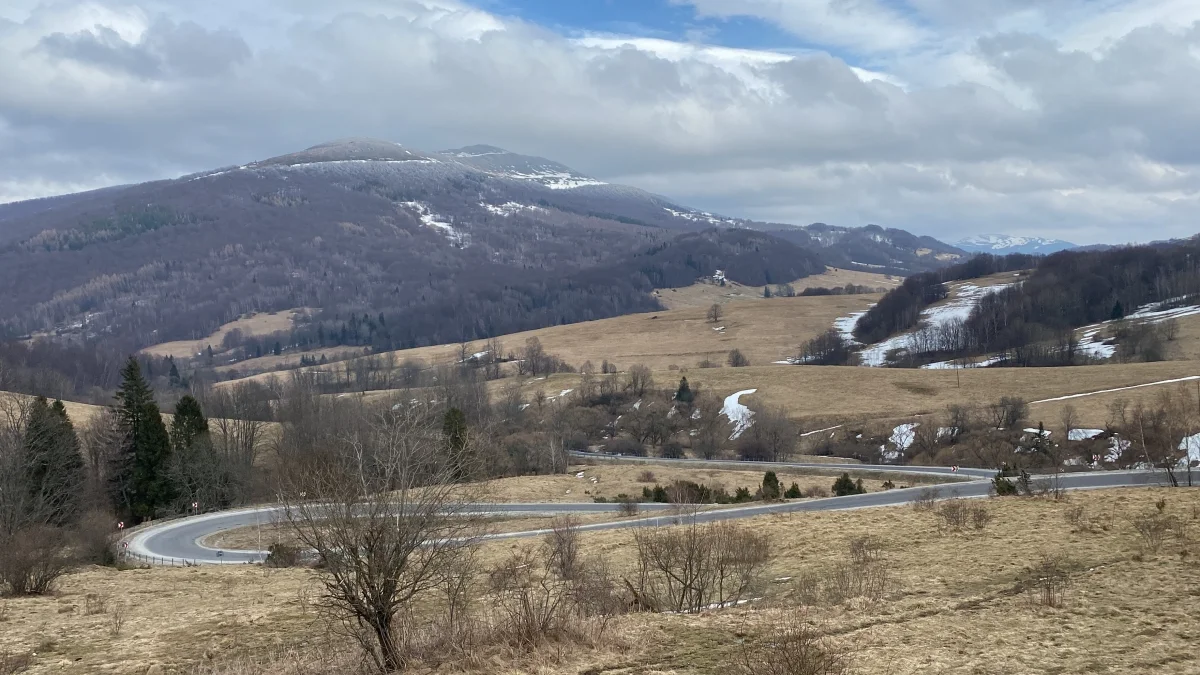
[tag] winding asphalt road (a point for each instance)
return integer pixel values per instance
(177, 542)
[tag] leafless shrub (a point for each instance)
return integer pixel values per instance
(871, 581)
(981, 517)
(817, 492)
(561, 547)
(95, 603)
(925, 500)
(646, 476)
(533, 606)
(694, 567)
(627, 507)
(12, 663)
(865, 549)
(794, 646)
(116, 619)
(1049, 581)
(1152, 529)
(32, 559)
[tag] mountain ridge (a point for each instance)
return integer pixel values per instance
(439, 246)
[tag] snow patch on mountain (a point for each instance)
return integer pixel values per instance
(1003, 243)
(432, 220)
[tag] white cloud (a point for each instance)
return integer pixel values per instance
(1000, 126)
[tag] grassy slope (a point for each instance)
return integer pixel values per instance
(255, 324)
(955, 604)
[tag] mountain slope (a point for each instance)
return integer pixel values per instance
(1001, 244)
(395, 246)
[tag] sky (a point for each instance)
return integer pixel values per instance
(1073, 119)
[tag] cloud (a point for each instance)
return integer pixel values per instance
(1015, 129)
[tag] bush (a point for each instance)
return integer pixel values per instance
(1003, 487)
(689, 569)
(562, 547)
(1049, 581)
(846, 486)
(793, 492)
(925, 500)
(672, 450)
(793, 646)
(770, 486)
(646, 476)
(957, 515)
(282, 555)
(33, 559)
(627, 507)
(625, 446)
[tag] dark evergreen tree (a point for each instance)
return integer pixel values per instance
(1118, 312)
(454, 433)
(139, 481)
(793, 492)
(684, 393)
(53, 464)
(174, 377)
(198, 474)
(770, 486)
(845, 486)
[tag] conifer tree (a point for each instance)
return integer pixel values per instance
(197, 473)
(684, 393)
(53, 464)
(139, 484)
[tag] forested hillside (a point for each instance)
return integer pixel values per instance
(1034, 320)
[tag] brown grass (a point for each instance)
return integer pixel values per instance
(824, 394)
(254, 324)
(957, 602)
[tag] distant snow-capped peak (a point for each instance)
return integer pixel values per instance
(1004, 243)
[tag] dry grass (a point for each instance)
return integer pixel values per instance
(617, 479)
(955, 602)
(822, 394)
(255, 324)
(766, 331)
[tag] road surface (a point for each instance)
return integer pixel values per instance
(177, 542)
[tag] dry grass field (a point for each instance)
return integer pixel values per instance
(830, 395)
(255, 324)
(767, 330)
(79, 413)
(954, 602)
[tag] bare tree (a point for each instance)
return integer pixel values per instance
(714, 313)
(239, 416)
(737, 359)
(639, 380)
(386, 523)
(1069, 418)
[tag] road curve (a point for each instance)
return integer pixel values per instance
(177, 542)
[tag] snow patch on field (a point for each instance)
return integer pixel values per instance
(964, 298)
(1191, 446)
(1083, 434)
(902, 436)
(432, 220)
(741, 416)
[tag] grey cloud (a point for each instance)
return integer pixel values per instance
(102, 47)
(166, 49)
(803, 140)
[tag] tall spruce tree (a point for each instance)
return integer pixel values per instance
(197, 474)
(53, 464)
(139, 482)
